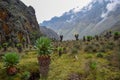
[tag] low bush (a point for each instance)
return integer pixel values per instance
(11, 59)
(74, 51)
(99, 55)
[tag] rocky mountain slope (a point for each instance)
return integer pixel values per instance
(17, 22)
(116, 27)
(95, 18)
(49, 33)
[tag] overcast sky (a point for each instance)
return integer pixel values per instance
(46, 9)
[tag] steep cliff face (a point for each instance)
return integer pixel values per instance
(17, 22)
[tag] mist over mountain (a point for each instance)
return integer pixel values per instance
(95, 18)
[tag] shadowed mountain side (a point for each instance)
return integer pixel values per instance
(116, 27)
(17, 22)
(49, 32)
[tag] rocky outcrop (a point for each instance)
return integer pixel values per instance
(17, 22)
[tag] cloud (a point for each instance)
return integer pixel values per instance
(112, 6)
(46, 9)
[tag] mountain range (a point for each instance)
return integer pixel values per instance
(93, 19)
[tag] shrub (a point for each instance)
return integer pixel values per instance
(88, 56)
(76, 36)
(74, 51)
(110, 45)
(89, 38)
(60, 50)
(19, 45)
(77, 46)
(100, 55)
(103, 49)
(116, 35)
(84, 38)
(93, 65)
(61, 38)
(0, 47)
(11, 59)
(5, 44)
(90, 48)
(44, 46)
(26, 75)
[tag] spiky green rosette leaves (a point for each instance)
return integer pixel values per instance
(11, 59)
(44, 46)
(116, 33)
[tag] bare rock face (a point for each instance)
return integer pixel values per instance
(17, 22)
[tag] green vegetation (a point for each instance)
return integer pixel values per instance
(100, 55)
(82, 60)
(10, 62)
(19, 47)
(93, 65)
(61, 38)
(5, 45)
(26, 75)
(116, 35)
(74, 51)
(0, 47)
(60, 50)
(89, 38)
(76, 36)
(10, 59)
(44, 46)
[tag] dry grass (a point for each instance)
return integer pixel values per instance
(69, 63)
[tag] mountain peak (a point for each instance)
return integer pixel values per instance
(92, 19)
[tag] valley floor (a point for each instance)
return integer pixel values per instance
(94, 60)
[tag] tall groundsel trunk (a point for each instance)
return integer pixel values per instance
(44, 62)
